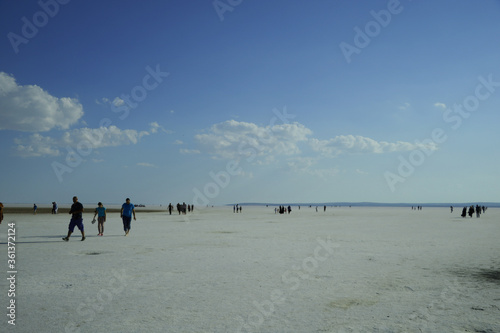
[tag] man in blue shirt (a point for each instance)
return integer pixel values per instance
(126, 214)
(76, 219)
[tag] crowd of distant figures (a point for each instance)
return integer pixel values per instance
(181, 209)
(237, 208)
(283, 210)
(184, 209)
(478, 210)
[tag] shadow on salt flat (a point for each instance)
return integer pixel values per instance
(346, 303)
(489, 275)
(93, 253)
(481, 274)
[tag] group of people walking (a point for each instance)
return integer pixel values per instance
(283, 210)
(237, 208)
(181, 209)
(126, 213)
(478, 210)
(54, 208)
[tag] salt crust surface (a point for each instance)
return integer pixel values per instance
(343, 270)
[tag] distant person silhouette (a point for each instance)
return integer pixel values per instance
(471, 210)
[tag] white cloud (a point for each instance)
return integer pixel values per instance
(103, 100)
(178, 142)
(102, 137)
(148, 165)
(189, 151)
(118, 101)
(324, 173)
(405, 106)
(155, 127)
(246, 174)
(301, 163)
(440, 105)
(29, 108)
(233, 140)
(361, 172)
(85, 138)
(37, 145)
(359, 144)
(264, 145)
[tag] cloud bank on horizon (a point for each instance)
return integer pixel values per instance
(235, 140)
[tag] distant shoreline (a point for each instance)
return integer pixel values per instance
(374, 204)
(114, 209)
(26, 208)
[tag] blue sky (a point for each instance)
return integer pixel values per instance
(214, 102)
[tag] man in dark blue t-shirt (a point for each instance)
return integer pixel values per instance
(126, 215)
(76, 219)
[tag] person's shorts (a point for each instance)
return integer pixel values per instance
(100, 219)
(76, 223)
